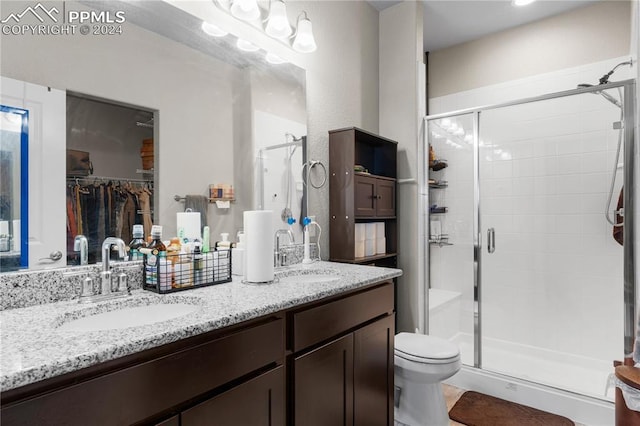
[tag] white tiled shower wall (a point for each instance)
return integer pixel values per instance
(555, 280)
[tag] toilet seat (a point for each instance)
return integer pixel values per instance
(425, 349)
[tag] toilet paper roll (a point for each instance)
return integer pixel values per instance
(4, 227)
(381, 246)
(360, 234)
(359, 249)
(370, 231)
(380, 230)
(188, 225)
(258, 256)
(369, 247)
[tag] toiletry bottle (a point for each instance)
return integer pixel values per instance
(198, 264)
(206, 236)
(224, 244)
(136, 243)
(156, 250)
(237, 256)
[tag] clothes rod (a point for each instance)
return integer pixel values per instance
(107, 178)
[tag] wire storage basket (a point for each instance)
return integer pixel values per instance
(167, 274)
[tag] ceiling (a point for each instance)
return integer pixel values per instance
(450, 22)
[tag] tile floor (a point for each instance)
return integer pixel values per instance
(451, 396)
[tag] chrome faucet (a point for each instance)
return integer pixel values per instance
(105, 275)
(280, 259)
(106, 289)
(81, 245)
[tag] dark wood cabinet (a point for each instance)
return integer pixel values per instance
(328, 362)
(373, 391)
(374, 197)
(343, 361)
(362, 188)
(258, 402)
(323, 385)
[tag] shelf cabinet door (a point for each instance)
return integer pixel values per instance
(259, 401)
(373, 373)
(385, 198)
(323, 385)
(365, 196)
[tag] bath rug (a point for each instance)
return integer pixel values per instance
(477, 409)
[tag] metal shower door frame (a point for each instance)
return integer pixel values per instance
(629, 231)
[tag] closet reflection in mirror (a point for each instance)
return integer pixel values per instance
(110, 173)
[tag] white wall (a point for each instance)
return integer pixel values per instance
(401, 112)
(342, 82)
(585, 35)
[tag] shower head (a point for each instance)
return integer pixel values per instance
(603, 94)
(605, 78)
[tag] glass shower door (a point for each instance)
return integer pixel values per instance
(450, 223)
(551, 272)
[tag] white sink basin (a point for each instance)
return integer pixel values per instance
(129, 317)
(310, 278)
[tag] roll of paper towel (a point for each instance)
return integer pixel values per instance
(188, 225)
(258, 255)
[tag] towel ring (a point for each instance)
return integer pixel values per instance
(307, 178)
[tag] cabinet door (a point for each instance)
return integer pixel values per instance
(258, 402)
(365, 196)
(373, 373)
(385, 198)
(323, 385)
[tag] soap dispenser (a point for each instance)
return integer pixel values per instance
(237, 256)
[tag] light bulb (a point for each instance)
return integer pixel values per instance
(304, 41)
(246, 46)
(274, 59)
(213, 30)
(247, 10)
(278, 24)
(522, 2)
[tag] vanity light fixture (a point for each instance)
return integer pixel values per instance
(277, 22)
(213, 30)
(247, 10)
(274, 59)
(274, 23)
(522, 2)
(303, 41)
(247, 46)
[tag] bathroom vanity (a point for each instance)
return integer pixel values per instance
(315, 347)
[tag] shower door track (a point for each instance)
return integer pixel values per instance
(630, 282)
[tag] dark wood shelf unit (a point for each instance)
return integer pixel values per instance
(360, 197)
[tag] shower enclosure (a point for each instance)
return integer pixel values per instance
(523, 271)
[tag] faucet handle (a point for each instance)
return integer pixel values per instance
(123, 284)
(87, 288)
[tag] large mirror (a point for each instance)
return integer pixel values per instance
(212, 110)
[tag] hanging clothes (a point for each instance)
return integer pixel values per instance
(100, 210)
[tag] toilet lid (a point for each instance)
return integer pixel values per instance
(418, 347)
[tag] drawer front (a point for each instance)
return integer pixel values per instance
(314, 325)
(137, 393)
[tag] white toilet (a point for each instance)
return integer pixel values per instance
(421, 363)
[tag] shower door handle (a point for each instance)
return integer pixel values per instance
(491, 240)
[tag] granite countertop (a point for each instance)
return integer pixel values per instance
(34, 348)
